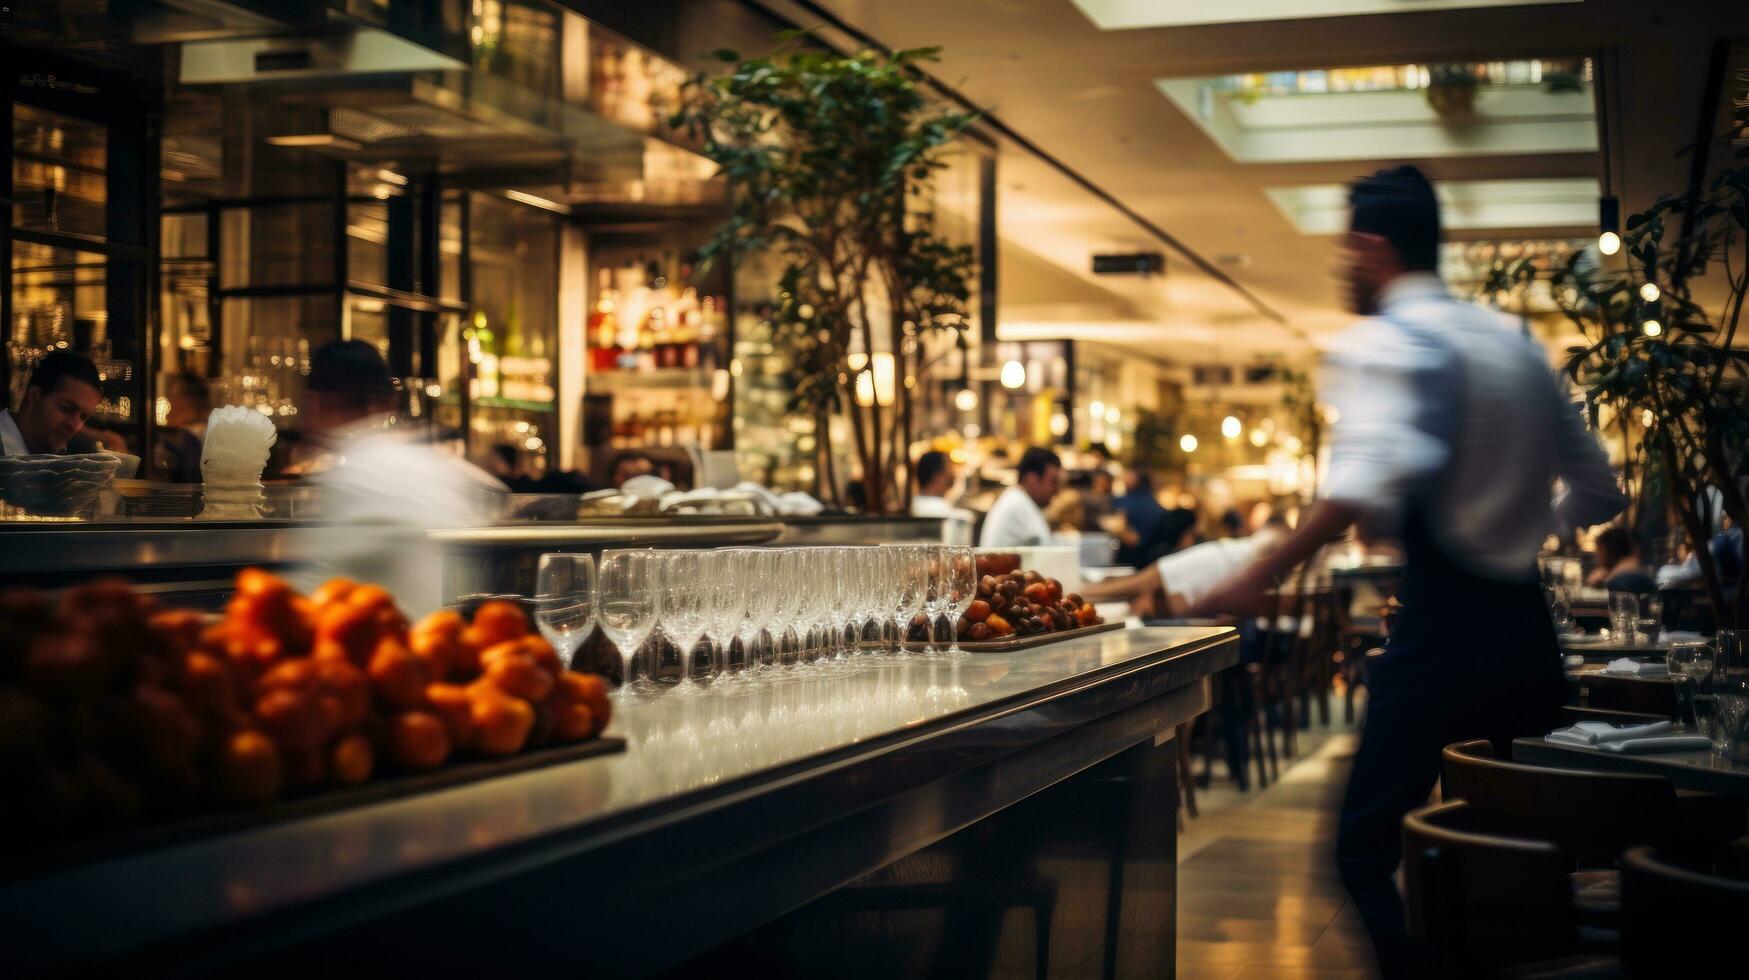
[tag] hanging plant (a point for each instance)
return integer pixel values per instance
(825, 154)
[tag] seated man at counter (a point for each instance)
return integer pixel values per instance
(64, 390)
(1185, 577)
(935, 478)
(1017, 519)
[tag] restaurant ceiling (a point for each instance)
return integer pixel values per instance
(1094, 100)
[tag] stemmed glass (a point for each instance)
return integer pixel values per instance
(564, 604)
(961, 587)
(685, 610)
(791, 583)
(934, 594)
(723, 590)
(756, 582)
(1731, 688)
(629, 605)
(1688, 663)
(904, 593)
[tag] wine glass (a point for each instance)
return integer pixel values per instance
(1624, 614)
(723, 593)
(628, 605)
(1687, 662)
(685, 610)
(756, 583)
(564, 603)
(961, 589)
(903, 594)
(934, 594)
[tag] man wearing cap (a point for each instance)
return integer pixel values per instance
(1452, 437)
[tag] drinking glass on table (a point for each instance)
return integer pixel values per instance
(1624, 615)
(1731, 688)
(564, 603)
(961, 587)
(628, 606)
(1687, 663)
(686, 610)
(1560, 610)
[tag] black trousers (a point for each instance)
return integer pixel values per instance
(1469, 658)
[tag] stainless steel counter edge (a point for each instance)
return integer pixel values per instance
(686, 806)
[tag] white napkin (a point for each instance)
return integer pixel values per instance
(1597, 734)
(798, 504)
(1669, 742)
(1629, 667)
(1680, 636)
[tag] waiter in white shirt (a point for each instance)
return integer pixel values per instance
(1451, 435)
(1017, 519)
(935, 478)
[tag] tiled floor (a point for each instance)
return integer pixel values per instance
(1258, 895)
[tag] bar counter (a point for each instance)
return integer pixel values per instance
(724, 813)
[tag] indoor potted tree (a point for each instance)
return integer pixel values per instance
(825, 153)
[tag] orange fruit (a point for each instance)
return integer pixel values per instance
(418, 740)
(291, 717)
(518, 674)
(351, 760)
(572, 721)
(501, 722)
(250, 763)
(398, 676)
(496, 621)
(452, 703)
(332, 591)
(348, 630)
(590, 689)
(348, 686)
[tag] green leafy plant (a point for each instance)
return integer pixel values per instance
(826, 155)
(1654, 353)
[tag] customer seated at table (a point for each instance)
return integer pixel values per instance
(1618, 564)
(176, 456)
(1184, 577)
(64, 390)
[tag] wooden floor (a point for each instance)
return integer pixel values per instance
(1258, 894)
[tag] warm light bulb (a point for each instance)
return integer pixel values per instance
(1187, 443)
(1259, 438)
(1651, 328)
(1647, 418)
(1013, 375)
(965, 400)
(1059, 425)
(1231, 427)
(1096, 410)
(1112, 416)
(1609, 243)
(1649, 292)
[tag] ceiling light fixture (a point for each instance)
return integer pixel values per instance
(1649, 292)
(1013, 375)
(1651, 328)
(1609, 225)
(1231, 427)
(966, 400)
(1187, 442)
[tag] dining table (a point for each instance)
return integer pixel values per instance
(1695, 769)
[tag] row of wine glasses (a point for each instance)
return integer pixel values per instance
(804, 611)
(1712, 689)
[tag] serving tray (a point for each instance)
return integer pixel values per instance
(175, 830)
(1021, 642)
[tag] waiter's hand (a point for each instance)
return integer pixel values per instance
(1248, 593)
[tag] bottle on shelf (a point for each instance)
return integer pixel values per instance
(603, 327)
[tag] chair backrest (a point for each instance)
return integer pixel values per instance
(1677, 922)
(1481, 901)
(1593, 816)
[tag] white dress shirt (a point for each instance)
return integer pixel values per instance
(1192, 573)
(1453, 403)
(11, 439)
(956, 523)
(1014, 521)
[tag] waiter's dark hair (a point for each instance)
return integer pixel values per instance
(1036, 461)
(930, 465)
(1399, 206)
(349, 367)
(60, 364)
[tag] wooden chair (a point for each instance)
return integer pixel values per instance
(1593, 816)
(1677, 922)
(1483, 903)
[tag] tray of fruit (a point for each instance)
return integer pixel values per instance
(125, 725)
(1017, 609)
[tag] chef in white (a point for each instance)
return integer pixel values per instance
(1017, 519)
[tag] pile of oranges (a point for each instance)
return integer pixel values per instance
(114, 711)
